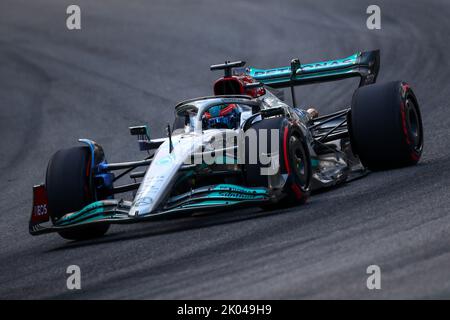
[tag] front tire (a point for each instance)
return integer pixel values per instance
(294, 159)
(386, 126)
(69, 188)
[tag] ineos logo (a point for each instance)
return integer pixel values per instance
(40, 210)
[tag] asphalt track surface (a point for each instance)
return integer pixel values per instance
(131, 62)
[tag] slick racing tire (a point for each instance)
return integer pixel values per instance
(294, 159)
(385, 126)
(69, 188)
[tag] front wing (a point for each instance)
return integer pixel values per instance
(210, 198)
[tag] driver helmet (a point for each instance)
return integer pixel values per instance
(223, 116)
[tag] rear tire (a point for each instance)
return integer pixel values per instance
(294, 160)
(386, 126)
(69, 189)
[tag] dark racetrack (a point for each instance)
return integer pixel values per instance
(131, 62)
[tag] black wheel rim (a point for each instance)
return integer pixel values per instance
(298, 160)
(413, 124)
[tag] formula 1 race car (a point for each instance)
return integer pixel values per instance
(241, 146)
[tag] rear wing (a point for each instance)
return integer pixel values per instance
(362, 64)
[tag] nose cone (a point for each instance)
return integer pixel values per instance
(161, 174)
(155, 183)
(141, 207)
